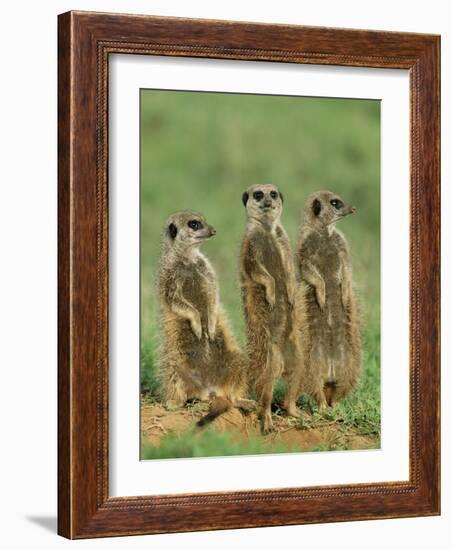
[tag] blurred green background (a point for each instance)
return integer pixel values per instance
(200, 151)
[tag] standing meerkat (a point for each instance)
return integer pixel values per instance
(200, 357)
(268, 283)
(327, 309)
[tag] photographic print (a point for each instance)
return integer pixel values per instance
(260, 274)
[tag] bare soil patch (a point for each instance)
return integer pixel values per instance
(157, 421)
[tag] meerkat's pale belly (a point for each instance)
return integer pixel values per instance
(255, 296)
(329, 325)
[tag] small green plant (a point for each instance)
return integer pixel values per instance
(148, 372)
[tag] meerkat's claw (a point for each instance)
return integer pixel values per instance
(268, 428)
(321, 300)
(211, 332)
(197, 329)
(271, 300)
(345, 301)
(267, 423)
(291, 297)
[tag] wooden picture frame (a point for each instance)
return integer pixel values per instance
(85, 42)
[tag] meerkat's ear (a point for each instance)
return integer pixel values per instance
(245, 198)
(316, 207)
(281, 196)
(172, 231)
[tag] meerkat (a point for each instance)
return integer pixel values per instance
(200, 357)
(326, 304)
(268, 285)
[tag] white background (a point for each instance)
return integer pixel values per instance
(28, 271)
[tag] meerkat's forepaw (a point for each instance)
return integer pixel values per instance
(345, 299)
(197, 329)
(291, 296)
(271, 300)
(321, 299)
(211, 330)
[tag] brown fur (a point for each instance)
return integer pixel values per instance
(200, 358)
(268, 293)
(327, 308)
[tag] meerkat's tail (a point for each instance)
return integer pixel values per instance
(329, 389)
(218, 406)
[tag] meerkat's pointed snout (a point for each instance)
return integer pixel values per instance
(263, 203)
(324, 208)
(213, 231)
(347, 210)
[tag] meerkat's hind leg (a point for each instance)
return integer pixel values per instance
(292, 409)
(265, 386)
(235, 384)
(266, 413)
(290, 400)
(292, 377)
(175, 392)
(264, 391)
(320, 397)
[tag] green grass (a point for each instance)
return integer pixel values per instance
(194, 444)
(202, 150)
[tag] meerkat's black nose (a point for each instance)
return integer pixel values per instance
(213, 231)
(353, 209)
(267, 202)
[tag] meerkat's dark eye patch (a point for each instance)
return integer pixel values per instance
(316, 207)
(172, 231)
(258, 195)
(195, 225)
(273, 194)
(337, 203)
(245, 198)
